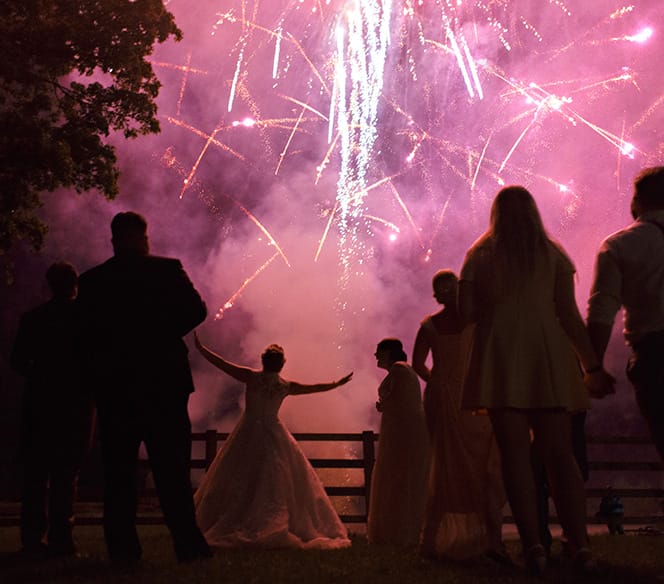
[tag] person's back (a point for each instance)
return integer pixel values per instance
(135, 309)
(521, 335)
(264, 395)
(629, 272)
(57, 414)
(638, 254)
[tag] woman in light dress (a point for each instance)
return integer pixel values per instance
(260, 489)
(465, 499)
(398, 484)
(517, 285)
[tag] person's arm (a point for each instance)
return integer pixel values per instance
(596, 379)
(604, 301)
(296, 388)
(420, 351)
(236, 371)
(187, 307)
(600, 334)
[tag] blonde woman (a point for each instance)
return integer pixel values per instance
(517, 286)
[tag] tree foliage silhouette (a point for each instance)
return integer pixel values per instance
(72, 73)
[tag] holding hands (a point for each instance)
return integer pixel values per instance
(599, 383)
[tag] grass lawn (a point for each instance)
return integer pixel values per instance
(633, 559)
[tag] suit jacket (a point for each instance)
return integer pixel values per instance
(135, 310)
(57, 405)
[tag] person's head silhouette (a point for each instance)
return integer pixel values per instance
(130, 234)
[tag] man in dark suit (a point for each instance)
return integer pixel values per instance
(136, 309)
(57, 416)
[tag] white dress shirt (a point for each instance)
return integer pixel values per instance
(629, 272)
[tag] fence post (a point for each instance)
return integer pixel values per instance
(369, 457)
(210, 447)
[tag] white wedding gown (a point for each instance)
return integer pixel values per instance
(261, 490)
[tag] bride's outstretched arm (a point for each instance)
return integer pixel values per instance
(236, 371)
(300, 388)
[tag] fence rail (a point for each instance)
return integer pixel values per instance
(616, 465)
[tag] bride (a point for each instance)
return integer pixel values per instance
(261, 490)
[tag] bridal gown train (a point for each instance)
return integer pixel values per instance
(261, 490)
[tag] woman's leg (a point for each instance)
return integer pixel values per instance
(512, 431)
(553, 437)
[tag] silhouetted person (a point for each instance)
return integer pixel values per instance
(137, 308)
(464, 512)
(517, 285)
(57, 416)
(629, 272)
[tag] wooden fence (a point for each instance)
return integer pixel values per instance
(628, 464)
(616, 465)
(632, 468)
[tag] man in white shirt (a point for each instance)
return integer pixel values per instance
(629, 272)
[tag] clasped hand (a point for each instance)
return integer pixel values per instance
(599, 384)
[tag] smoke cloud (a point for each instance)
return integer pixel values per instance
(562, 101)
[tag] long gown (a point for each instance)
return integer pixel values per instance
(398, 484)
(260, 489)
(466, 496)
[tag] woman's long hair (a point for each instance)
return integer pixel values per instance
(519, 237)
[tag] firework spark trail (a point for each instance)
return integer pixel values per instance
(366, 41)
(326, 231)
(183, 85)
(194, 168)
(439, 223)
(288, 142)
(326, 159)
(459, 57)
(238, 67)
(171, 161)
(309, 62)
(403, 206)
(649, 112)
(546, 101)
(231, 301)
(333, 102)
(279, 37)
(557, 104)
(183, 68)
(304, 106)
(205, 136)
(277, 51)
(520, 138)
(264, 230)
(482, 49)
(385, 222)
(479, 163)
